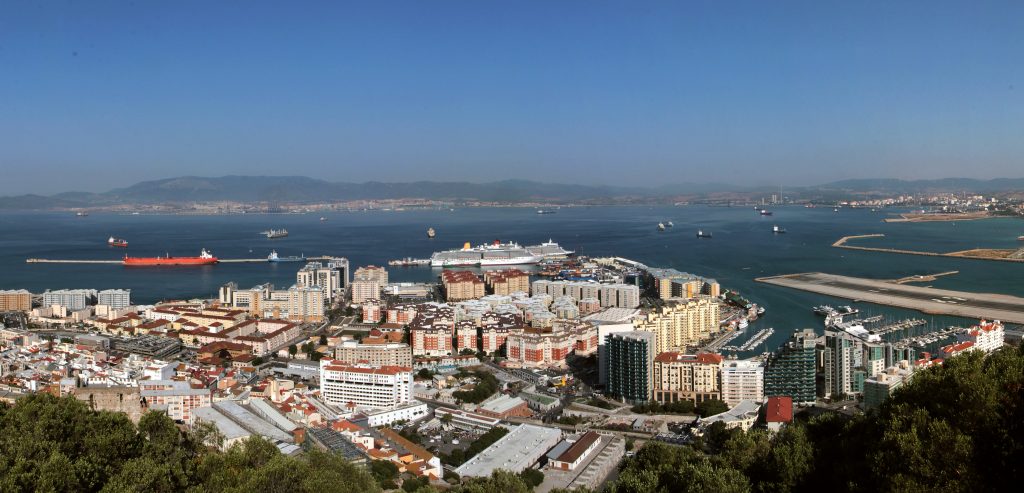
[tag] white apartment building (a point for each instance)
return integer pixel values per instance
(72, 299)
(115, 298)
(366, 386)
(609, 295)
(742, 380)
(986, 336)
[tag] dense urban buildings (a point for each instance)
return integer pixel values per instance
(375, 351)
(551, 347)
(607, 295)
(682, 324)
(461, 285)
(506, 282)
(671, 283)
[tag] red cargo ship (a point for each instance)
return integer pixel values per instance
(204, 258)
(118, 242)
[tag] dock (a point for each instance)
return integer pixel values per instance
(927, 300)
(119, 262)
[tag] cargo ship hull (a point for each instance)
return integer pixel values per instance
(151, 261)
(203, 259)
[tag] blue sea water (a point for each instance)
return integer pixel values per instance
(743, 248)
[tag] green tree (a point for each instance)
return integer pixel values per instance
(499, 481)
(711, 407)
(532, 477)
(293, 350)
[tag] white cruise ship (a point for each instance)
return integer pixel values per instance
(497, 253)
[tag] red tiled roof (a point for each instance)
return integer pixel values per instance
(779, 409)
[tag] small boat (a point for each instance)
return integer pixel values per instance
(824, 310)
(275, 233)
(322, 218)
(117, 242)
(778, 230)
(743, 324)
(835, 209)
(431, 233)
(703, 234)
(543, 211)
(1020, 238)
(81, 214)
(669, 224)
(765, 212)
(661, 227)
(274, 257)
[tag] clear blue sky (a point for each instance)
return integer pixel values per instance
(95, 95)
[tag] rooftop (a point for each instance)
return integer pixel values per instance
(514, 452)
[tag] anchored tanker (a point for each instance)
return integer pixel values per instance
(204, 258)
(498, 253)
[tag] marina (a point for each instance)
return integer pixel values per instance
(756, 340)
(927, 300)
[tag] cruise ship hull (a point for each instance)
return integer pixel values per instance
(484, 262)
(498, 254)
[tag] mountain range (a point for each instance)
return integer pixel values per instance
(277, 189)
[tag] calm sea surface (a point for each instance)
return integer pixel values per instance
(742, 249)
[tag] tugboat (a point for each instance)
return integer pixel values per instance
(702, 234)
(117, 242)
(778, 230)
(661, 226)
(273, 257)
(431, 233)
(275, 233)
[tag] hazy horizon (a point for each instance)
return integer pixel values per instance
(101, 96)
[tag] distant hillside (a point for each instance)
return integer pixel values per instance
(304, 189)
(299, 188)
(251, 189)
(924, 186)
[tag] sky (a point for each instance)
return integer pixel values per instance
(98, 94)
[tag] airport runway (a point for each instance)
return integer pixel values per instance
(928, 300)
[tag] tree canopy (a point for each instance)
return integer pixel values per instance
(59, 444)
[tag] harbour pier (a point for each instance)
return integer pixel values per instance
(927, 300)
(976, 254)
(322, 258)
